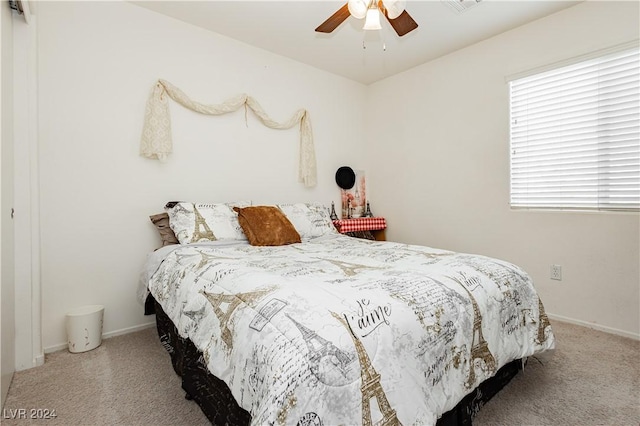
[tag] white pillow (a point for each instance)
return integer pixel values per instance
(194, 222)
(311, 220)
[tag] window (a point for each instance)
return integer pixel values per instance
(575, 135)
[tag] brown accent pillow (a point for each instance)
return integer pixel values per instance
(266, 226)
(161, 221)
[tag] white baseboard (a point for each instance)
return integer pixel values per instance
(114, 333)
(40, 360)
(128, 330)
(37, 361)
(594, 326)
(55, 348)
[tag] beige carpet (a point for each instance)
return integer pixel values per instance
(593, 379)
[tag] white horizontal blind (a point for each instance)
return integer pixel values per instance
(575, 135)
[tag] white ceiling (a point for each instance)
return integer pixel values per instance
(287, 28)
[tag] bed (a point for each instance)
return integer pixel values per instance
(333, 329)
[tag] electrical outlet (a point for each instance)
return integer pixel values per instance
(556, 272)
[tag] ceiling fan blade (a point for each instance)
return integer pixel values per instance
(403, 24)
(334, 20)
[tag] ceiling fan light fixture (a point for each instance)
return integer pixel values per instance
(394, 7)
(372, 22)
(358, 8)
(401, 22)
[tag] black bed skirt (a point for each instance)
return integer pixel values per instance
(217, 403)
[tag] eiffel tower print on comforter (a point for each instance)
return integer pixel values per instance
(341, 330)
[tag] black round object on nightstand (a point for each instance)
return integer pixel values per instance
(345, 177)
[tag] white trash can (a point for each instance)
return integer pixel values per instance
(84, 328)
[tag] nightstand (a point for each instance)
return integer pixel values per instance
(370, 228)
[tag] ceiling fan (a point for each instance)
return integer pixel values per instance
(393, 10)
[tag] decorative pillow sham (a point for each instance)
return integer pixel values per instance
(161, 222)
(266, 226)
(311, 220)
(194, 222)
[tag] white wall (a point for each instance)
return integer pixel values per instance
(440, 160)
(7, 308)
(97, 64)
(438, 169)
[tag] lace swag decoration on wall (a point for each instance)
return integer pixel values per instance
(156, 133)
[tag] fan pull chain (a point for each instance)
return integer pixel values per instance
(384, 45)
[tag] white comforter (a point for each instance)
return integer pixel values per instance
(346, 331)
